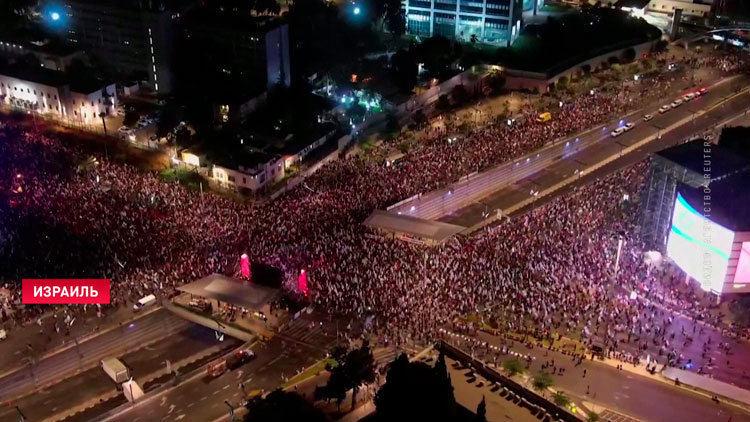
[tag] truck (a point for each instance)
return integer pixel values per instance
(233, 361)
(115, 369)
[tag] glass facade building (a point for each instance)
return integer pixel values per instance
(496, 22)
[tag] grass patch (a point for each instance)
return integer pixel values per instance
(309, 372)
(185, 177)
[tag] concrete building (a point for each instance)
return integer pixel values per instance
(689, 8)
(51, 94)
(132, 37)
(495, 22)
(241, 58)
(247, 170)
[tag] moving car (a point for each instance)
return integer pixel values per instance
(665, 108)
(702, 91)
(676, 103)
(239, 358)
(629, 126)
(688, 97)
(647, 117)
(617, 132)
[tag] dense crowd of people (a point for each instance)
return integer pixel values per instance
(68, 214)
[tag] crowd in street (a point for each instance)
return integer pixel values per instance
(68, 214)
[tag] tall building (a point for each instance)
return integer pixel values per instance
(487, 21)
(134, 38)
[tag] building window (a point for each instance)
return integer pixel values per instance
(231, 179)
(244, 180)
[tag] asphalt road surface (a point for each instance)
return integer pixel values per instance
(57, 367)
(625, 392)
(202, 399)
(607, 146)
(94, 383)
(436, 204)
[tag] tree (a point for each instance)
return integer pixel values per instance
(542, 381)
(354, 370)
(404, 70)
(617, 68)
(442, 103)
(436, 53)
(562, 82)
(561, 399)
(283, 406)
(473, 38)
(481, 411)
(513, 367)
(459, 94)
(414, 391)
(646, 65)
(593, 417)
(131, 118)
(495, 81)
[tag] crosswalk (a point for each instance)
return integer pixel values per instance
(301, 330)
(612, 416)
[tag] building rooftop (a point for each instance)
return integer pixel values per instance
(245, 160)
(88, 86)
(692, 156)
(231, 290)
(730, 200)
(38, 75)
(435, 231)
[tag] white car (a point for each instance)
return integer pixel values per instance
(665, 108)
(617, 132)
(688, 97)
(629, 126)
(677, 103)
(648, 117)
(3, 335)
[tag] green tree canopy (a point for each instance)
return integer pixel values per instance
(414, 391)
(283, 406)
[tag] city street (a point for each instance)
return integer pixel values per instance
(544, 176)
(52, 369)
(203, 399)
(621, 390)
(475, 187)
(93, 383)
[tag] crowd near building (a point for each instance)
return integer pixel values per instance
(54, 95)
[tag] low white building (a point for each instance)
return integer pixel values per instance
(49, 93)
(689, 8)
(247, 170)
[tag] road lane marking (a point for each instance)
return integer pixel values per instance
(225, 387)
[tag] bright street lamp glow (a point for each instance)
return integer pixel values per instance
(55, 16)
(356, 10)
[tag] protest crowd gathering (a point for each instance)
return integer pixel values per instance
(68, 215)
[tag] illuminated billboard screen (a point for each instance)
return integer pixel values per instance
(742, 275)
(699, 246)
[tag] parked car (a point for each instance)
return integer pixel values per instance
(676, 103)
(617, 132)
(648, 117)
(688, 97)
(629, 126)
(3, 334)
(665, 108)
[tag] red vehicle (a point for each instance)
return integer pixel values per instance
(702, 91)
(216, 368)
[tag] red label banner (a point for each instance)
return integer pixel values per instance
(65, 291)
